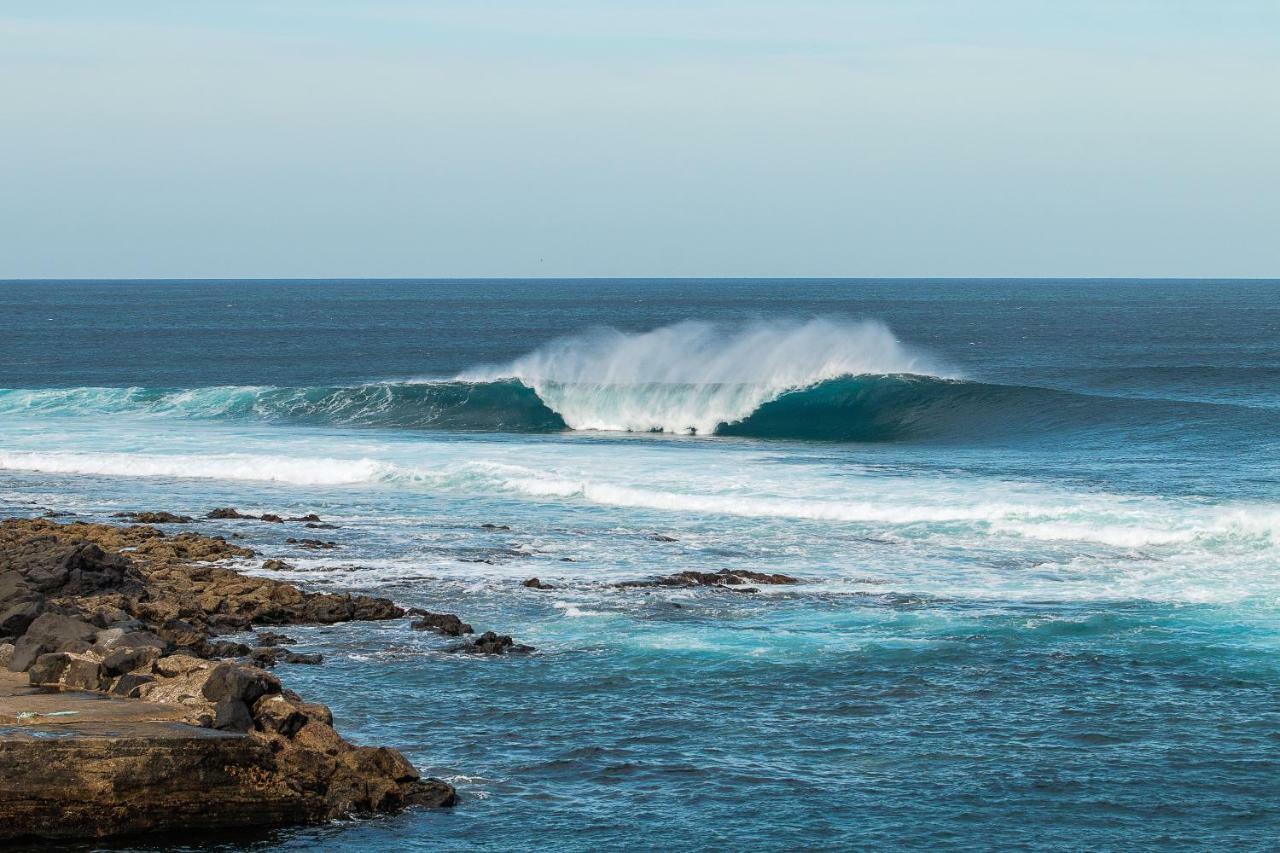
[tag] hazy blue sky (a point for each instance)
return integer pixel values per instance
(690, 137)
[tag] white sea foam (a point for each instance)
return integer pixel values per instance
(301, 471)
(692, 376)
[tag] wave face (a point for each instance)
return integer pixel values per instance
(692, 377)
(820, 380)
(867, 408)
(504, 406)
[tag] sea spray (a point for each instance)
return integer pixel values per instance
(694, 376)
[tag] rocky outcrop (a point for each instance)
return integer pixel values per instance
(442, 623)
(72, 766)
(732, 579)
(77, 614)
(154, 517)
(490, 643)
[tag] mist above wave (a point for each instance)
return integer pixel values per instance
(693, 376)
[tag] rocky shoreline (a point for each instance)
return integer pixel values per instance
(181, 729)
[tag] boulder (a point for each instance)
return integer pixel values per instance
(245, 683)
(85, 673)
(130, 684)
(534, 583)
(48, 668)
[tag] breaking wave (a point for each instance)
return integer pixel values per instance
(822, 380)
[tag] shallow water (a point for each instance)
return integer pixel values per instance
(1039, 525)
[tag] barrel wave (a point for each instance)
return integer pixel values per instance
(866, 408)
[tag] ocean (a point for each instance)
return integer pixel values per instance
(1037, 525)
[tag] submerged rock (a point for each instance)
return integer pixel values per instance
(534, 583)
(726, 578)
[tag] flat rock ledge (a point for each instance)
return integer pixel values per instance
(120, 711)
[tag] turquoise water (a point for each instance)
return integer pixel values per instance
(1038, 524)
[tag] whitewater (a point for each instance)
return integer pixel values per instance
(1036, 524)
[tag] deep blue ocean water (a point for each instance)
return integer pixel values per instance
(1038, 524)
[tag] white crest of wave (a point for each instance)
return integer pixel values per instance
(693, 376)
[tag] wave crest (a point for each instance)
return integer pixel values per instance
(695, 376)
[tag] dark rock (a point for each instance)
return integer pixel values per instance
(19, 614)
(228, 512)
(314, 544)
(48, 668)
(128, 659)
(267, 516)
(311, 516)
(130, 684)
(155, 517)
(725, 578)
(224, 649)
(266, 657)
(534, 583)
(442, 623)
(662, 537)
(304, 658)
(55, 630)
(488, 526)
(232, 715)
(490, 643)
(269, 638)
(181, 633)
(320, 526)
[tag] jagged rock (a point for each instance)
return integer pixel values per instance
(442, 623)
(277, 566)
(534, 583)
(127, 659)
(48, 668)
(98, 620)
(85, 673)
(272, 517)
(313, 544)
(490, 643)
(725, 578)
(228, 513)
(310, 658)
(270, 638)
(155, 517)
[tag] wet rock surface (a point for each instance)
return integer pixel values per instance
(76, 614)
(490, 643)
(442, 623)
(735, 580)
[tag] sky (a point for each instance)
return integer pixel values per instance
(878, 138)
